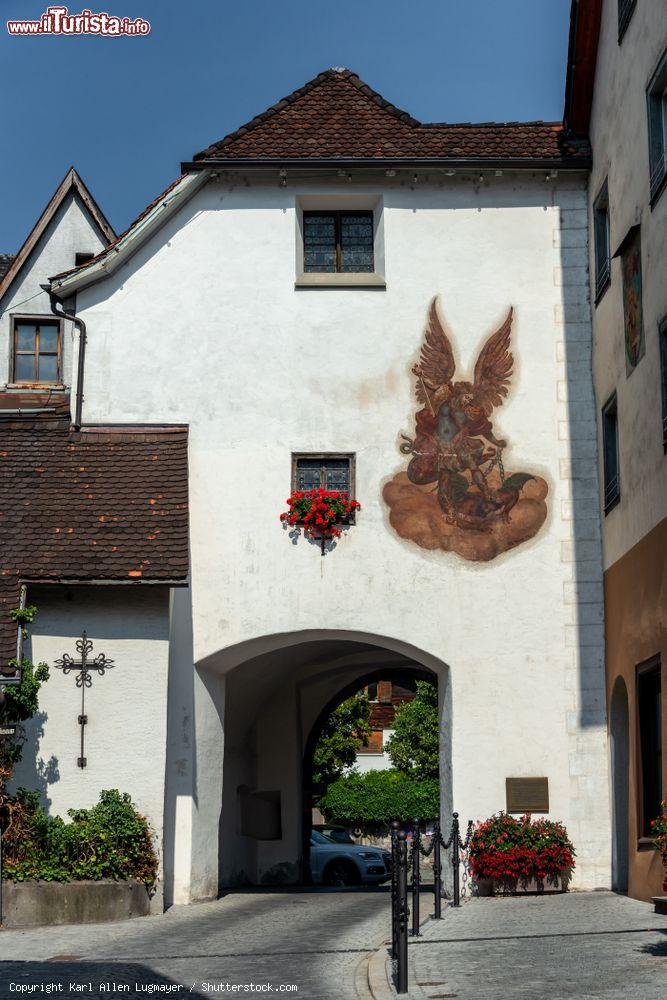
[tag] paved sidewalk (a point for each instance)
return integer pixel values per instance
(578, 945)
(319, 941)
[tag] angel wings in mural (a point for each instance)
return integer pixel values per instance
(455, 450)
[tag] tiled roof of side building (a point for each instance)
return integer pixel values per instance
(6, 261)
(103, 504)
(337, 116)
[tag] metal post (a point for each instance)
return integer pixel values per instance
(402, 928)
(437, 872)
(394, 886)
(416, 877)
(456, 860)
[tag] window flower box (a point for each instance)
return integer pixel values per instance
(319, 513)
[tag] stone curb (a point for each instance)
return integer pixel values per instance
(379, 977)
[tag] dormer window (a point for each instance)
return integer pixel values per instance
(36, 351)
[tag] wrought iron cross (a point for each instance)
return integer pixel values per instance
(85, 665)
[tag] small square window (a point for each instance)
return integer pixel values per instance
(649, 712)
(36, 351)
(656, 96)
(338, 242)
(625, 12)
(82, 258)
(330, 472)
(602, 243)
(662, 333)
(612, 485)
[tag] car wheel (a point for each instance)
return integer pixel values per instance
(340, 873)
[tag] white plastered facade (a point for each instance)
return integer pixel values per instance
(203, 325)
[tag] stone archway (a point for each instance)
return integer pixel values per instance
(620, 761)
(254, 706)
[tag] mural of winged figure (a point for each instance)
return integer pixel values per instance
(455, 446)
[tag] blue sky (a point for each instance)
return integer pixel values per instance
(125, 112)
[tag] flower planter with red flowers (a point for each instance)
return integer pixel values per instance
(319, 513)
(510, 855)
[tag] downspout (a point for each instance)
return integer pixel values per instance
(64, 314)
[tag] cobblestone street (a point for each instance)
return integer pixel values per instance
(584, 945)
(315, 940)
(580, 945)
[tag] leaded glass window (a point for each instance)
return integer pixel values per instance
(330, 472)
(338, 242)
(36, 351)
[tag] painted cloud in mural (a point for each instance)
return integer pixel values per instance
(456, 494)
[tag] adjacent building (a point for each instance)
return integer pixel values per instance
(385, 697)
(618, 93)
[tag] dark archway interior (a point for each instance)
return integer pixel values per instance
(404, 674)
(274, 706)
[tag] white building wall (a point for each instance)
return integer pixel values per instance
(204, 326)
(619, 135)
(69, 232)
(126, 733)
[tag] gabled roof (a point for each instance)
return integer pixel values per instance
(70, 182)
(104, 504)
(336, 116)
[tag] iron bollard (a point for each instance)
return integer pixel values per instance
(402, 921)
(437, 871)
(416, 876)
(394, 886)
(456, 860)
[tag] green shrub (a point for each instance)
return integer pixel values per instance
(379, 797)
(414, 745)
(109, 841)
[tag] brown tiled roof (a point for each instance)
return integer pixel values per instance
(6, 261)
(338, 116)
(107, 504)
(142, 215)
(46, 404)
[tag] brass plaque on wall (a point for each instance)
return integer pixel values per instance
(527, 795)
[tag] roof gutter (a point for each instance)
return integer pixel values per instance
(78, 322)
(62, 286)
(381, 163)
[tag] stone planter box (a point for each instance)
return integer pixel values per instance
(521, 887)
(33, 904)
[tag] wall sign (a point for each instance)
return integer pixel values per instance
(527, 795)
(456, 493)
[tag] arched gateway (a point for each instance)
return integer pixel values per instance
(261, 705)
